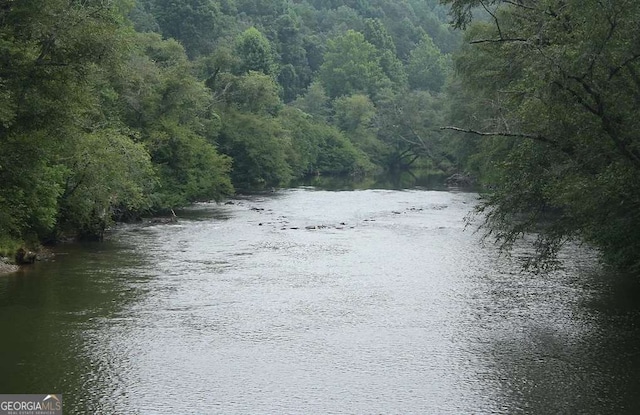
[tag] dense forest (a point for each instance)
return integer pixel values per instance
(113, 109)
(110, 110)
(549, 94)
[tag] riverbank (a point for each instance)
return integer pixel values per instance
(23, 257)
(7, 268)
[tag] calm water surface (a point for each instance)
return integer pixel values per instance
(308, 301)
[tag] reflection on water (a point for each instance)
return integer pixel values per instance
(406, 179)
(55, 318)
(307, 301)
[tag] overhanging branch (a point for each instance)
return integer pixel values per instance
(513, 3)
(501, 40)
(614, 71)
(534, 137)
(495, 18)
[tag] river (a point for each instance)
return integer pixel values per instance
(310, 301)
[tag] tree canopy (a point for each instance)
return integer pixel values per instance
(554, 88)
(114, 110)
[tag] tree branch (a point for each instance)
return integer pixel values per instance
(635, 78)
(493, 15)
(534, 137)
(513, 3)
(614, 71)
(578, 98)
(516, 39)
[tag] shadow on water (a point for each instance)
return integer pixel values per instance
(205, 212)
(55, 317)
(576, 351)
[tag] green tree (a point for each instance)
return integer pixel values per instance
(406, 34)
(353, 113)
(559, 83)
(427, 67)
(354, 116)
(51, 55)
(305, 141)
(314, 102)
(376, 34)
(338, 155)
(295, 73)
(171, 112)
(263, 10)
(255, 52)
(259, 147)
(194, 23)
(253, 92)
(320, 148)
(108, 174)
(142, 17)
(434, 18)
(352, 65)
(408, 125)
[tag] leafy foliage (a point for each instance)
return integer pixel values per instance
(114, 109)
(254, 51)
(171, 112)
(352, 65)
(409, 128)
(427, 67)
(192, 22)
(258, 145)
(107, 171)
(49, 57)
(319, 148)
(559, 88)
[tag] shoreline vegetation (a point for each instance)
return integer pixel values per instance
(12, 259)
(119, 110)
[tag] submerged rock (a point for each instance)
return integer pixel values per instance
(459, 179)
(164, 220)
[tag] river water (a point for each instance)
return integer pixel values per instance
(318, 302)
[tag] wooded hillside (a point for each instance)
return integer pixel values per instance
(112, 109)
